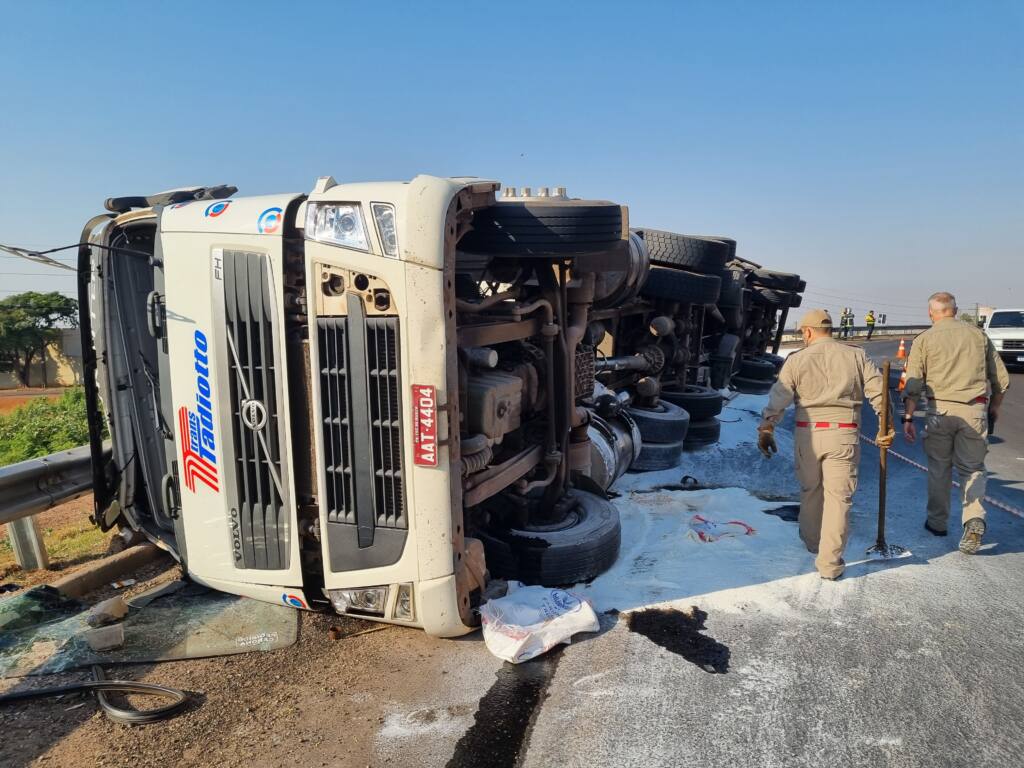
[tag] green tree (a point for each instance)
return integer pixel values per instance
(28, 322)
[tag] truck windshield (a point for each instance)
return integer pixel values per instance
(1007, 320)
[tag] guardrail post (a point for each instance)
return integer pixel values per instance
(27, 543)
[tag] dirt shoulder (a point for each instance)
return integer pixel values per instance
(71, 541)
(322, 701)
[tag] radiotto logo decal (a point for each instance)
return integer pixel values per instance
(293, 600)
(198, 449)
(269, 221)
(216, 209)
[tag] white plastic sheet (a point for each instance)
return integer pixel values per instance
(529, 621)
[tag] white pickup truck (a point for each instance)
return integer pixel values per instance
(1005, 327)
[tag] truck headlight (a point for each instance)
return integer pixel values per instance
(997, 343)
(337, 223)
(404, 608)
(368, 601)
(387, 229)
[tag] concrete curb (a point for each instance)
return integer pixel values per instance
(101, 572)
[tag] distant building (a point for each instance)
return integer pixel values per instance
(63, 365)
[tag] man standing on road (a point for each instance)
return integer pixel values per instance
(869, 321)
(954, 364)
(827, 381)
(849, 322)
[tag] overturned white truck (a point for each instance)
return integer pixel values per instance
(376, 397)
(369, 398)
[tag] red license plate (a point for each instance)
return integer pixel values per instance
(424, 425)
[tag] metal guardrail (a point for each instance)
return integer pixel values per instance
(29, 487)
(860, 331)
(32, 486)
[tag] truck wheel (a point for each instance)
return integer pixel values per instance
(757, 368)
(580, 547)
(733, 317)
(664, 423)
(706, 433)
(682, 286)
(733, 282)
(695, 252)
(776, 360)
(524, 228)
(769, 278)
(700, 402)
(773, 296)
(751, 386)
(656, 456)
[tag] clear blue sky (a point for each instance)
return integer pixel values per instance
(877, 149)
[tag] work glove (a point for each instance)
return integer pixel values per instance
(766, 441)
(885, 441)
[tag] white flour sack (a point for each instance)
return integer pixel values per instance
(529, 621)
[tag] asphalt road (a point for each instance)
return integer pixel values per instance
(910, 663)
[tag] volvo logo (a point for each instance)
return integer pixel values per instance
(254, 414)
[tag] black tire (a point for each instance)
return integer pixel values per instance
(776, 360)
(694, 252)
(751, 386)
(757, 368)
(776, 297)
(571, 554)
(535, 228)
(700, 402)
(728, 241)
(657, 456)
(682, 286)
(733, 283)
(733, 317)
(783, 281)
(665, 423)
(706, 433)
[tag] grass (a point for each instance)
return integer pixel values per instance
(73, 543)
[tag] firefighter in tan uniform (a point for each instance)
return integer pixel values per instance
(954, 364)
(827, 382)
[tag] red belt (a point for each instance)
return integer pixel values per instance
(826, 424)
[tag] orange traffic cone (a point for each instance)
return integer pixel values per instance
(902, 351)
(903, 376)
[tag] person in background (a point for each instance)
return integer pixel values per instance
(827, 381)
(955, 365)
(849, 322)
(869, 321)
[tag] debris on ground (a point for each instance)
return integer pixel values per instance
(529, 621)
(107, 612)
(708, 530)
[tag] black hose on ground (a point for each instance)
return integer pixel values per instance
(100, 685)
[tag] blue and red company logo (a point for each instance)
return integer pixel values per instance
(293, 600)
(198, 450)
(269, 221)
(216, 209)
